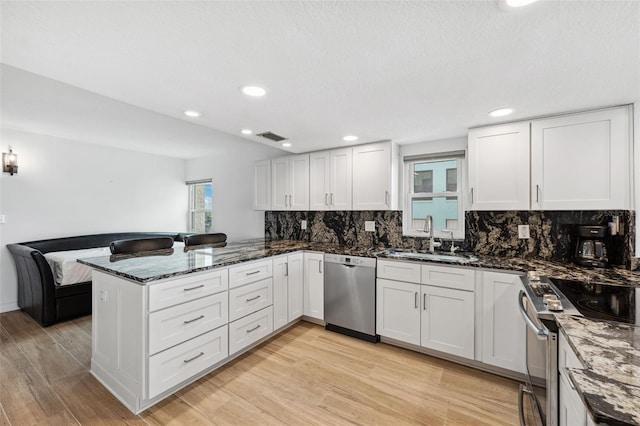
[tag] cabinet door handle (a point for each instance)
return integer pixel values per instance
(286, 269)
(326, 199)
(290, 200)
(253, 273)
(537, 193)
(251, 330)
(424, 302)
(194, 358)
(415, 300)
(320, 266)
(569, 379)
(332, 201)
(194, 288)
(251, 299)
(386, 197)
(194, 320)
(471, 195)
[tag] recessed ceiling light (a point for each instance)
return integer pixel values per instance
(246, 131)
(519, 3)
(286, 144)
(191, 113)
(500, 112)
(253, 91)
(350, 138)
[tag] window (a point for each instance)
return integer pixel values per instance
(200, 206)
(433, 190)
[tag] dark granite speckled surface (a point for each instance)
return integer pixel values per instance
(610, 383)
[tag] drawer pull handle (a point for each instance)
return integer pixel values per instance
(194, 358)
(253, 329)
(194, 320)
(253, 273)
(251, 299)
(194, 288)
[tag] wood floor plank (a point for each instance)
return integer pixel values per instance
(49, 357)
(304, 375)
(26, 397)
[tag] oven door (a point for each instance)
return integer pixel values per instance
(541, 362)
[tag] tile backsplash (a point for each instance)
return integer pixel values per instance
(491, 233)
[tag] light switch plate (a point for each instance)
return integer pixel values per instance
(523, 232)
(303, 224)
(369, 225)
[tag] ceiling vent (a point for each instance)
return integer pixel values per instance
(271, 136)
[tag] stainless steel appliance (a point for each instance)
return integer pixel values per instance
(350, 296)
(541, 408)
(591, 248)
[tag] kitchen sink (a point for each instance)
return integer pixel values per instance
(439, 257)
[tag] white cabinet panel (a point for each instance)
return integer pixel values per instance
(249, 272)
(319, 180)
(290, 183)
(498, 167)
(447, 320)
(174, 325)
(250, 329)
(449, 277)
(399, 271)
(280, 183)
(250, 298)
(581, 161)
(262, 185)
(572, 411)
(503, 329)
(330, 180)
(179, 290)
(372, 177)
(280, 290)
(181, 362)
(314, 285)
(295, 286)
(398, 310)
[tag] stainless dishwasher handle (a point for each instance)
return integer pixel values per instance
(541, 333)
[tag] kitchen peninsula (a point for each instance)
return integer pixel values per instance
(181, 313)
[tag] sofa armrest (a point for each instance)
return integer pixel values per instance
(36, 285)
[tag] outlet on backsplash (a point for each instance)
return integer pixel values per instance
(303, 224)
(523, 232)
(370, 226)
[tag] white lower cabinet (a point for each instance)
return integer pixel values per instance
(175, 365)
(398, 311)
(250, 329)
(250, 298)
(288, 298)
(439, 317)
(314, 285)
(503, 329)
(447, 320)
(571, 409)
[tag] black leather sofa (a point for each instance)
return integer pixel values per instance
(38, 294)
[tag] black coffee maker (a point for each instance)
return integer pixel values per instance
(591, 249)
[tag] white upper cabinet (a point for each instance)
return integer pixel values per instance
(372, 177)
(262, 185)
(576, 162)
(581, 161)
(330, 182)
(499, 167)
(290, 183)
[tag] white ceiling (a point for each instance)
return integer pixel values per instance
(405, 71)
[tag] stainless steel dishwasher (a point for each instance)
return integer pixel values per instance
(350, 296)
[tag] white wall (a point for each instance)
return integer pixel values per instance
(67, 188)
(232, 173)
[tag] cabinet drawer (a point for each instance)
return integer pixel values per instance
(442, 276)
(180, 290)
(250, 329)
(181, 362)
(399, 271)
(250, 272)
(250, 298)
(177, 324)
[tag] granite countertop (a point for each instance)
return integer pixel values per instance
(150, 266)
(610, 352)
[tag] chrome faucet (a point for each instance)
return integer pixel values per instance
(428, 225)
(453, 247)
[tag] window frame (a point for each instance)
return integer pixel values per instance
(409, 196)
(192, 210)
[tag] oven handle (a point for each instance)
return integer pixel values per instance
(523, 389)
(541, 333)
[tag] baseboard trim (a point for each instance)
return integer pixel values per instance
(9, 306)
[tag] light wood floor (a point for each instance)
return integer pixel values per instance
(305, 375)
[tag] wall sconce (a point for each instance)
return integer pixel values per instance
(10, 162)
